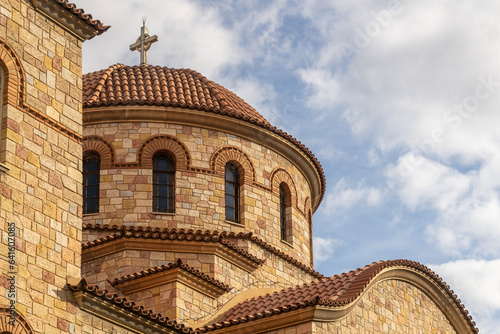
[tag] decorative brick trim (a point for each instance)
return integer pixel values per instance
(279, 176)
(21, 326)
(227, 154)
(101, 146)
(164, 143)
(14, 90)
(14, 81)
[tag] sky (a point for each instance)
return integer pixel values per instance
(397, 99)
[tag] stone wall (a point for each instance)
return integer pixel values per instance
(126, 151)
(391, 306)
(41, 146)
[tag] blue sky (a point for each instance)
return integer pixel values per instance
(398, 99)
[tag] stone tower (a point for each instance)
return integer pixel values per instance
(40, 162)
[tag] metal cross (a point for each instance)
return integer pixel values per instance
(143, 43)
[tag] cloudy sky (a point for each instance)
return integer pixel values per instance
(398, 99)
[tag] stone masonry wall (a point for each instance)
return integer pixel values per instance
(391, 306)
(126, 151)
(41, 193)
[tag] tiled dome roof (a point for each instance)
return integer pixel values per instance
(183, 88)
(163, 86)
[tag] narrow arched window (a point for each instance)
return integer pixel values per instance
(163, 183)
(91, 179)
(283, 212)
(232, 192)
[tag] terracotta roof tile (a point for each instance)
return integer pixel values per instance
(197, 235)
(172, 234)
(177, 264)
(333, 291)
(130, 306)
(80, 13)
(184, 88)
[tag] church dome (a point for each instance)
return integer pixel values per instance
(148, 85)
(162, 86)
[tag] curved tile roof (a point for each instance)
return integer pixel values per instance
(183, 88)
(333, 291)
(198, 235)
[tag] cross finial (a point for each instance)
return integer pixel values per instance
(143, 43)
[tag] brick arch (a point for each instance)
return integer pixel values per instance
(101, 146)
(227, 154)
(164, 143)
(307, 205)
(21, 326)
(279, 176)
(14, 77)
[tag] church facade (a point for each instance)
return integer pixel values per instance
(145, 199)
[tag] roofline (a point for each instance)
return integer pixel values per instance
(122, 312)
(263, 134)
(333, 310)
(198, 235)
(71, 18)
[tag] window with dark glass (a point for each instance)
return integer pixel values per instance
(283, 213)
(232, 192)
(163, 183)
(91, 175)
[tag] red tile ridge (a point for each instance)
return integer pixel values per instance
(80, 13)
(206, 234)
(335, 291)
(176, 264)
(125, 304)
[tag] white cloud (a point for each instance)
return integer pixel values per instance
(341, 197)
(190, 35)
(476, 282)
(467, 204)
(324, 248)
(399, 88)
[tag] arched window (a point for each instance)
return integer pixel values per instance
(285, 214)
(91, 176)
(163, 183)
(232, 192)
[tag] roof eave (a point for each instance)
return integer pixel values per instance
(71, 19)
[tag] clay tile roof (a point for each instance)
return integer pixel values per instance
(199, 235)
(80, 13)
(184, 88)
(333, 291)
(172, 234)
(177, 264)
(122, 302)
